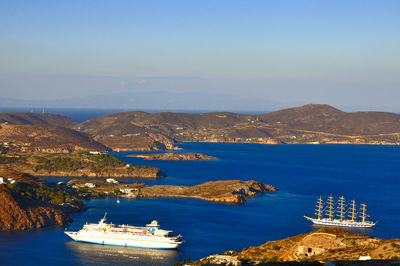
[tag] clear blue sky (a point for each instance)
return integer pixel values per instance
(338, 52)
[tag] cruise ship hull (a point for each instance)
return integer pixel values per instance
(340, 223)
(137, 241)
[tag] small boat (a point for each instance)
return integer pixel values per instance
(328, 215)
(150, 236)
(118, 201)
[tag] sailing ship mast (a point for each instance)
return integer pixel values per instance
(341, 208)
(319, 208)
(352, 210)
(363, 212)
(330, 208)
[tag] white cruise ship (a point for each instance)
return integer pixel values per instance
(341, 213)
(104, 233)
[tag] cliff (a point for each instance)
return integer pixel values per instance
(21, 208)
(47, 138)
(323, 245)
(189, 156)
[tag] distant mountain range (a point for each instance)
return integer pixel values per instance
(154, 100)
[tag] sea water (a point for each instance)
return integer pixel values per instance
(302, 173)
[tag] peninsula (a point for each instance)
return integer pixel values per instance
(323, 245)
(227, 191)
(77, 164)
(188, 156)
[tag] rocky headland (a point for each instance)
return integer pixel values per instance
(323, 245)
(227, 191)
(26, 202)
(188, 156)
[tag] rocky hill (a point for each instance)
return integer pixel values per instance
(47, 138)
(323, 245)
(311, 123)
(29, 203)
(36, 119)
(325, 118)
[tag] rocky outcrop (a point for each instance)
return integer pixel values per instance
(323, 245)
(189, 156)
(229, 191)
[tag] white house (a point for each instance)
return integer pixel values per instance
(2, 181)
(90, 185)
(12, 181)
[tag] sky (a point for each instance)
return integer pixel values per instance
(343, 52)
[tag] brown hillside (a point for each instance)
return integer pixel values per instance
(36, 119)
(325, 118)
(21, 213)
(312, 123)
(47, 138)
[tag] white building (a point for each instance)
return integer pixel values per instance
(126, 190)
(12, 181)
(2, 181)
(90, 185)
(96, 152)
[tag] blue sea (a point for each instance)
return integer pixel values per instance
(369, 174)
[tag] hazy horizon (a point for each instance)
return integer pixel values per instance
(209, 55)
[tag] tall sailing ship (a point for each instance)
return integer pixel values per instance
(341, 215)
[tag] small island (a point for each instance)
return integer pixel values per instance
(226, 191)
(188, 156)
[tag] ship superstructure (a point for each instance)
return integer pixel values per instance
(150, 236)
(340, 215)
